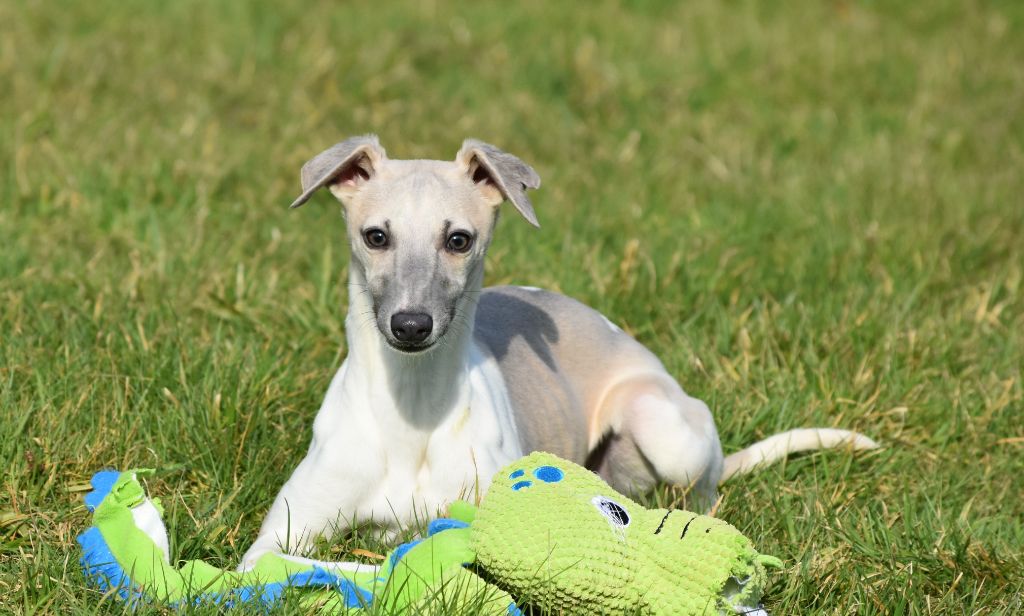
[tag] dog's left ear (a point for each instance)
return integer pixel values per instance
(500, 175)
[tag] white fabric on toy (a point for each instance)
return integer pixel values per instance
(332, 566)
(147, 518)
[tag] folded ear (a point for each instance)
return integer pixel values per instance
(500, 175)
(343, 167)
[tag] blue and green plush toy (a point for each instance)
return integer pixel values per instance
(547, 533)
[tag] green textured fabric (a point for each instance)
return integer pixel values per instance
(429, 564)
(548, 532)
(431, 570)
(153, 576)
(576, 546)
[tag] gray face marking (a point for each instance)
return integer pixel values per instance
(419, 208)
(418, 229)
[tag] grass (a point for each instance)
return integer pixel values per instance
(812, 212)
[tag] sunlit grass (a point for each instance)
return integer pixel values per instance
(811, 212)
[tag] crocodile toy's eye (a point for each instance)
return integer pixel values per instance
(615, 512)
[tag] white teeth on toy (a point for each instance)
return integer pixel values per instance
(353, 567)
(147, 519)
(734, 587)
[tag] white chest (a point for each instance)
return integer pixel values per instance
(421, 445)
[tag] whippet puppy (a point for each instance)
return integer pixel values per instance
(446, 382)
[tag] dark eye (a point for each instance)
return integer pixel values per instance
(459, 242)
(375, 238)
(615, 512)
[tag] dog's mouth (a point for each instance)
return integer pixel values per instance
(410, 348)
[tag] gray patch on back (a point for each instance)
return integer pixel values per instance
(557, 357)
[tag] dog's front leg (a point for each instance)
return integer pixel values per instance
(323, 494)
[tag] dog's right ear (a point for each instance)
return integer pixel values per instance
(343, 167)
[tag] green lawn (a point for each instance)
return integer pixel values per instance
(812, 211)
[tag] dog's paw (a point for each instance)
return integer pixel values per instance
(250, 558)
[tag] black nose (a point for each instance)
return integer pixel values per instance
(411, 326)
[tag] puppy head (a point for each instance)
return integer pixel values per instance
(419, 229)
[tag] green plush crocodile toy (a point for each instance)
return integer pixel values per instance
(548, 533)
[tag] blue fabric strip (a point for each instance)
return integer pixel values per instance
(102, 482)
(441, 524)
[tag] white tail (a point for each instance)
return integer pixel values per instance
(782, 444)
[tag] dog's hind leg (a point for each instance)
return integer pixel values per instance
(646, 429)
(654, 432)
